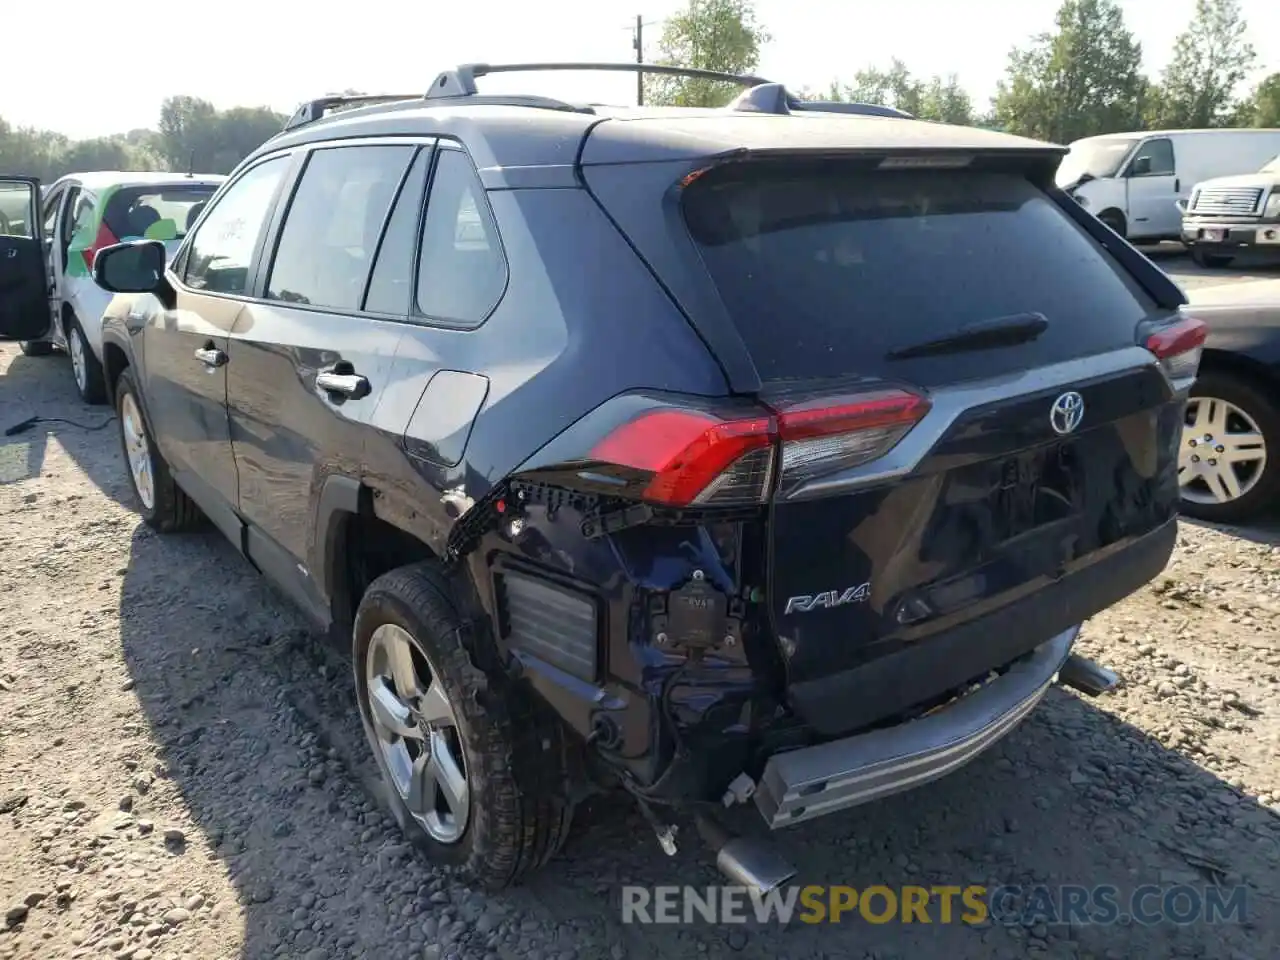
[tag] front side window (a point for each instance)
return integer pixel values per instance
(331, 231)
(51, 212)
(221, 251)
(1153, 159)
(462, 272)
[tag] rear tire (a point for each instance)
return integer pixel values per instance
(86, 368)
(1260, 489)
(161, 502)
(36, 348)
(1210, 260)
(510, 749)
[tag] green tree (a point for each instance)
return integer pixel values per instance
(1210, 60)
(1082, 79)
(938, 98)
(719, 35)
(195, 136)
(1262, 109)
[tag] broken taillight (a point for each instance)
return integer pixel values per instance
(822, 436)
(1178, 347)
(695, 458)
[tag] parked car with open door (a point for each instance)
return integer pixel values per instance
(80, 214)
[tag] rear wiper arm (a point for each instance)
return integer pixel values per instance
(981, 335)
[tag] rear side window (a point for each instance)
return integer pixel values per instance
(331, 231)
(462, 272)
(391, 285)
(826, 270)
(160, 212)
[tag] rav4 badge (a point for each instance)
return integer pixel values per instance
(829, 599)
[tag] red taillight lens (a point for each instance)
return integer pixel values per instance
(694, 457)
(105, 238)
(1178, 347)
(822, 436)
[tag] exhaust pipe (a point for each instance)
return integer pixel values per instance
(1081, 673)
(746, 862)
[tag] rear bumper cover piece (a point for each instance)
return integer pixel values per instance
(802, 784)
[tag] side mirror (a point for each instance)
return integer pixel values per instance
(135, 267)
(1141, 167)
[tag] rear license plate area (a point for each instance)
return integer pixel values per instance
(1034, 489)
(988, 506)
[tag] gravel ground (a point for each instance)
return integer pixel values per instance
(182, 774)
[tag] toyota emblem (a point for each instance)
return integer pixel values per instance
(1066, 413)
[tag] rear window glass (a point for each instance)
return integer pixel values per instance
(160, 213)
(826, 270)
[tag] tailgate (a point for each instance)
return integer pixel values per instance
(967, 422)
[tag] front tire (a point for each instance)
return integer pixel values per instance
(161, 501)
(473, 767)
(1115, 220)
(1227, 463)
(35, 348)
(86, 368)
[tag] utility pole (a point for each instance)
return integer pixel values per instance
(638, 43)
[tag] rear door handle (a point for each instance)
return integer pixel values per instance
(350, 385)
(1177, 181)
(211, 356)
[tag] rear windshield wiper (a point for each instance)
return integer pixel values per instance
(981, 335)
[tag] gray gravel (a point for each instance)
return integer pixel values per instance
(184, 777)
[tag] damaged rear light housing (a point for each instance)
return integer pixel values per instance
(690, 457)
(1178, 347)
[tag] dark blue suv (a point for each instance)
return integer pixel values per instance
(764, 454)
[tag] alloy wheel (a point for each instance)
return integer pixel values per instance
(1223, 453)
(417, 733)
(75, 346)
(138, 451)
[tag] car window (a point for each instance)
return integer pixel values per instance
(16, 209)
(82, 219)
(221, 251)
(1160, 154)
(462, 272)
(333, 224)
(391, 285)
(162, 212)
(51, 212)
(830, 268)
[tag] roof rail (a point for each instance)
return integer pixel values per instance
(773, 98)
(313, 110)
(461, 80)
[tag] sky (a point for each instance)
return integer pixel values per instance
(273, 53)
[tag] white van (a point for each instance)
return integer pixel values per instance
(1133, 182)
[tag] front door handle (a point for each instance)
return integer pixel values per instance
(211, 356)
(349, 385)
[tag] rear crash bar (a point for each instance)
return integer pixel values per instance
(802, 784)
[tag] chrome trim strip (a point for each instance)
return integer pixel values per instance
(951, 402)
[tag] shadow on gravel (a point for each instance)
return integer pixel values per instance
(255, 725)
(1264, 531)
(30, 388)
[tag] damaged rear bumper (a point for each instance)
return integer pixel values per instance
(799, 785)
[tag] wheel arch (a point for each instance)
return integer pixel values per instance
(1255, 372)
(352, 545)
(115, 359)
